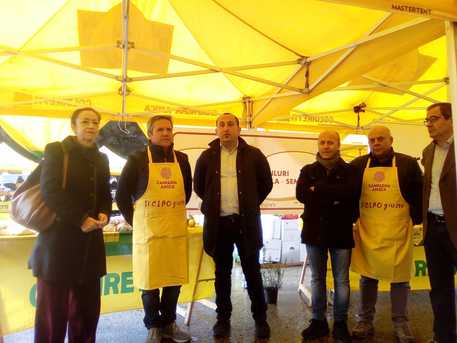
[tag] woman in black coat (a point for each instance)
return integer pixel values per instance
(68, 259)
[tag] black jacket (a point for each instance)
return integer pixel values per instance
(64, 253)
(331, 209)
(135, 175)
(254, 184)
(409, 177)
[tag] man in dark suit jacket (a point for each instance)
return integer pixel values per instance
(233, 178)
(440, 219)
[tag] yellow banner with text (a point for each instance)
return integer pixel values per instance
(18, 288)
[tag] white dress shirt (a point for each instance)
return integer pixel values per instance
(435, 206)
(229, 182)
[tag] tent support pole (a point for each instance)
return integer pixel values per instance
(223, 70)
(451, 35)
(247, 111)
(395, 84)
(404, 90)
(405, 105)
(346, 54)
(373, 37)
(125, 54)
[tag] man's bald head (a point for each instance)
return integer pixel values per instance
(328, 144)
(380, 140)
(329, 133)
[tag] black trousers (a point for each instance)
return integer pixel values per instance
(160, 310)
(229, 234)
(441, 263)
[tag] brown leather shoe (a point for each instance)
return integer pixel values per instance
(362, 330)
(403, 332)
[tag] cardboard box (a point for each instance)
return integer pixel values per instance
(271, 227)
(290, 252)
(290, 231)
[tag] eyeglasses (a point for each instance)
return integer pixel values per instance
(432, 119)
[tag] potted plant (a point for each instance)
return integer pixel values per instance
(272, 277)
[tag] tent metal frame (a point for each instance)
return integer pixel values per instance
(283, 88)
(401, 89)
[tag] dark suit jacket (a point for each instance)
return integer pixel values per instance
(448, 189)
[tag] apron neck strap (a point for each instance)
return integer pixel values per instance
(394, 164)
(150, 155)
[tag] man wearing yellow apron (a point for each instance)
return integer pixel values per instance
(390, 202)
(153, 190)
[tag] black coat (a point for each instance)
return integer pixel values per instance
(64, 253)
(331, 209)
(409, 177)
(254, 184)
(135, 175)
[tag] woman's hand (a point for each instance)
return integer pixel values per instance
(102, 220)
(89, 224)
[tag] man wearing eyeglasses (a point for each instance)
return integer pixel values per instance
(440, 220)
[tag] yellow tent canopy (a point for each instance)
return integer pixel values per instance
(292, 64)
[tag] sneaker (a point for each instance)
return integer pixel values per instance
(154, 336)
(341, 333)
(221, 328)
(403, 332)
(316, 329)
(262, 329)
(362, 330)
(173, 332)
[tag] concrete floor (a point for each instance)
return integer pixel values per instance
(286, 319)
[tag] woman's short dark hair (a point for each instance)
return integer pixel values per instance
(153, 119)
(445, 109)
(78, 111)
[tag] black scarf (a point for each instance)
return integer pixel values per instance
(329, 163)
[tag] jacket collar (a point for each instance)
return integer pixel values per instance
(386, 159)
(70, 144)
(163, 155)
(447, 144)
(216, 144)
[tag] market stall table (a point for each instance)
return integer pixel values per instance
(18, 289)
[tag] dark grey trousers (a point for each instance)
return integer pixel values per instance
(399, 292)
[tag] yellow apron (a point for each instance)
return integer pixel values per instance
(160, 253)
(383, 234)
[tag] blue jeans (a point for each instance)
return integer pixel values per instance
(340, 259)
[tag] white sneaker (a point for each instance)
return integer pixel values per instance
(174, 333)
